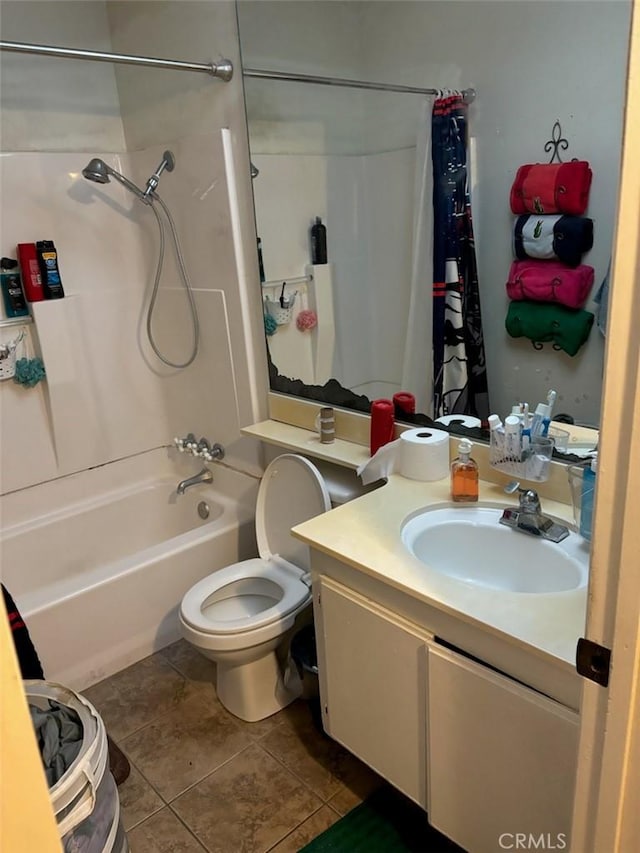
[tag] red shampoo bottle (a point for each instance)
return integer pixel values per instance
(30, 269)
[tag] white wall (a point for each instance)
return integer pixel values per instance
(106, 396)
(531, 63)
(53, 104)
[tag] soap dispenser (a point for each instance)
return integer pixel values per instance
(464, 475)
(586, 498)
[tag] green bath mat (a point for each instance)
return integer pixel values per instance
(385, 823)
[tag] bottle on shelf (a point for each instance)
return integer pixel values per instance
(15, 304)
(318, 243)
(49, 272)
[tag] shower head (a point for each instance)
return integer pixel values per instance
(96, 170)
(100, 173)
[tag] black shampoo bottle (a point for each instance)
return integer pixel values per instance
(49, 272)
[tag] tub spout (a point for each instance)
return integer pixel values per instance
(205, 476)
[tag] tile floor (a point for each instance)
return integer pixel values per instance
(202, 780)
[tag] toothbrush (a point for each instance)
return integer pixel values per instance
(542, 416)
(551, 399)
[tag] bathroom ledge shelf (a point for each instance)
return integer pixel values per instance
(343, 453)
(15, 321)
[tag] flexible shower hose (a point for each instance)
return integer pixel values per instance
(185, 281)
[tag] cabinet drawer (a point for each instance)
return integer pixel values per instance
(502, 758)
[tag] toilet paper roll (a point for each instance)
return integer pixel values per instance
(462, 420)
(424, 454)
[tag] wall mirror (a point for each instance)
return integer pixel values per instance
(348, 155)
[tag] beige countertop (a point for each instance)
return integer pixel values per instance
(365, 534)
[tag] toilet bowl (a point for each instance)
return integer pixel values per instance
(243, 615)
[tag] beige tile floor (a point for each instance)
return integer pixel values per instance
(203, 780)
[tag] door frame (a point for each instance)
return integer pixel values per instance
(608, 777)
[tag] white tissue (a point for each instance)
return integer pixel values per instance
(382, 463)
(419, 454)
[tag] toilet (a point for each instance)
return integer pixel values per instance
(242, 616)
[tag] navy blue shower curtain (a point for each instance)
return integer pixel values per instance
(459, 367)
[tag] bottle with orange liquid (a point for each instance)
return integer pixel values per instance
(464, 475)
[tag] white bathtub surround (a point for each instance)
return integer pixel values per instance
(107, 395)
(100, 560)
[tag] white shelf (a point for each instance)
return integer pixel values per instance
(343, 453)
(15, 321)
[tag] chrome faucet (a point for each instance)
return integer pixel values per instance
(205, 476)
(528, 517)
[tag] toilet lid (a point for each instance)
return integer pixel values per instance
(292, 491)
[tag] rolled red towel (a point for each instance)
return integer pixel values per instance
(552, 188)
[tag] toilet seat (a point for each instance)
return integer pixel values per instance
(215, 604)
(263, 595)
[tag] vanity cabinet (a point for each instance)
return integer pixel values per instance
(373, 679)
(501, 757)
(485, 755)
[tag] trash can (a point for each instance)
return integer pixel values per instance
(305, 657)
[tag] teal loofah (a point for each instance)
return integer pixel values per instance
(270, 325)
(29, 371)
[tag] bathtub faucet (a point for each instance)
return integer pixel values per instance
(205, 476)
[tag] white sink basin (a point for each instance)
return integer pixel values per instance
(468, 544)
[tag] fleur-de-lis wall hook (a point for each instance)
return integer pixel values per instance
(556, 143)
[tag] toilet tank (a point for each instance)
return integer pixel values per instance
(343, 484)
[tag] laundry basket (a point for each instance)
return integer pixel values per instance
(85, 799)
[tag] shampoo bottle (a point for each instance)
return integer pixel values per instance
(464, 475)
(31, 278)
(586, 499)
(318, 242)
(15, 303)
(49, 272)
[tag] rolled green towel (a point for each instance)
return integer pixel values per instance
(545, 321)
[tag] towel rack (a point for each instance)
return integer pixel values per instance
(278, 282)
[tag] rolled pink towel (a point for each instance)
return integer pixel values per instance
(550, 281)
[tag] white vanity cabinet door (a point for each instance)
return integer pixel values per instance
(502, 758)
(372, 667)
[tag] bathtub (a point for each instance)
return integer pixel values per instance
(99, 579)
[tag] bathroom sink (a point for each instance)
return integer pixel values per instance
(468, 544)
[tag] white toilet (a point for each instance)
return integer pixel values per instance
(240, 615)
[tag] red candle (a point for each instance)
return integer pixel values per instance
(381, 424)
(405, 402)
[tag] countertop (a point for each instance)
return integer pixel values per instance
(365, 534)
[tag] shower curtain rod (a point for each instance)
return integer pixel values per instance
(222, 69)
(468, 94)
